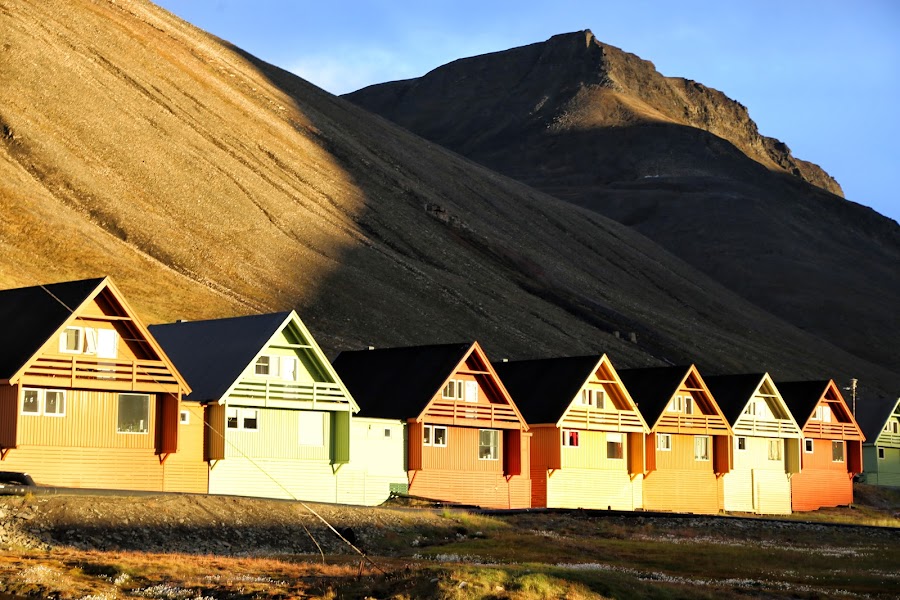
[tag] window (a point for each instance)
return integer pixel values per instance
(688, 405)
(44, 402)
(453, 390)
(701, 447)
(593, 397)
(284, 367)
(435, 435)
(775, 449)
(881, 454)
(741, 443)
(837, 451)
(312, 428)
(570, 438)
(184, 417)
(388, 433)
(134, 413)
(663, 441)
(264, 365)
(71, 341)
(823, 413)
(676, 404)
(242, 419)
(88, 340)
(614, 446)
(895, 427)
(808, 445)
(488, 444)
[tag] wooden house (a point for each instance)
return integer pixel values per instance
(832, 445)
(689, 445)
(467, 441)
(277, 418)
(88, 399)
(766, 452)
(880, 423)
(588, 438)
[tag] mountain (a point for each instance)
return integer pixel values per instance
(208, 183)
(677, 161)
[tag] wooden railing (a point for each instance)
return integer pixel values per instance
(101, 373)
(889, 439)
(276, 389)
(752, 426)
(499, 416)
(587, 418)
(681, 423)
(830, 430)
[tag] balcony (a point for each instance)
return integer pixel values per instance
(766, 427)
(150, 376)
(834, 431)
(471, 414)
(597, 420)
(276, 393)
(692, 424)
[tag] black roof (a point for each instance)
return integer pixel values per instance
(211, 355)
(397, 383)
(543, 388)
(652, 388)
(872, 414)
(732, 392)
(30, 315)
(802, 397)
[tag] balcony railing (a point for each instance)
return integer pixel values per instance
(585, 418)
(776, 427)
(681, 423)
(889, 439)
(78, 372)
(498, 416)
(276, 389)
(830, 430)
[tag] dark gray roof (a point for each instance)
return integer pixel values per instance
(397, 383)
(802, 397)
(872, 414)
(732, 392)
(30, 315)
(211, 355)
(544, 388)
(652, 388)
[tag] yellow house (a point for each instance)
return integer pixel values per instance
(767, 443)
(588, 438)
(278, 420)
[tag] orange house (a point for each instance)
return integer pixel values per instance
(466, 441)
(87, 397)
(588, 438)
(832, 445)
(689, 446)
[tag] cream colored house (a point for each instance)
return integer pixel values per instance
(278, 420)
(767, 443)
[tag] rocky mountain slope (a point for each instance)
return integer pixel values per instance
(676, 160)
(208, 183)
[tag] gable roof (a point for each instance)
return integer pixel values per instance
(733, 392)
(31, 315)
(872, 414)
(398, 383)
(213, 354)
(544, 388)
(802, 397)
(652, 388)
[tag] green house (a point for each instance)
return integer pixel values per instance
(278, 419)
(880, 422)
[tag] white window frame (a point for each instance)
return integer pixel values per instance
(594, 397)
(895, 427)
(843, 451)
(495, 446)
(42, 402)
(667, 447)
(388, 433)
(566, 438)
(823, 413)
(240, 417)
(706, 456)
(676, 404)
(880, 453)
(778, 446)
(63, 340)
(453, 389)
(689, 405)
(809, 446)
(118, 413)
(430, 435)
(184, 417)
(619, 440)
(268, 365)
(737, 443)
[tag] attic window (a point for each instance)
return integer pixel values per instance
(71, 340)
(284, 367)
(823, 413)
(570, 438)
(264, 365)
(837, 451)
(895, 427)
(681, 404)
(593, 397)
(453, 390)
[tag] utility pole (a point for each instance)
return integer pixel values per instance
(853, 383)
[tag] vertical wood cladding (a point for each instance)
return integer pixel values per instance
(486, 489)
(823, 481)
(680, 483)
(9, 415)
(214, 432)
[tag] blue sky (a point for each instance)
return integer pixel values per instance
(822, 76)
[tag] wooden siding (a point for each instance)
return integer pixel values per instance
(278, 437)
(378, 459)
(593, 489)
(485, 489)
(513, 452)
(415, 436)
(9, 415)
(461, 454)
(90, 421)
(545, 455)
(167, 407)
(214, 432)
(882, 471)
(812, 489)
(83, 467)
(680, 483)
(186, 470)
(591, 453)
(757, 484)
